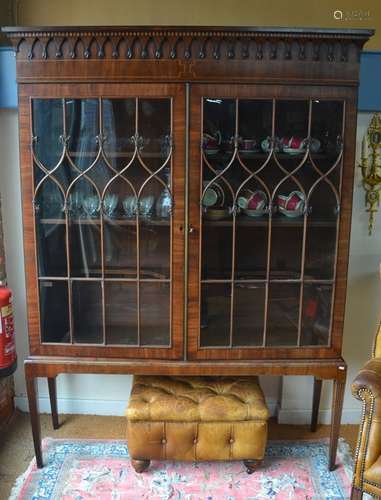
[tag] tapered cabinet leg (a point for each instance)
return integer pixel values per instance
(31, 387)
(53, 401)
(356, 494)
(140, 465)
(318, 383)
(337, 407)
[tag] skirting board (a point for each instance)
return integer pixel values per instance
(303, 417)
(95, 406)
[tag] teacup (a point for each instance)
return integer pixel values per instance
(296, 144)
(211, 143)
(291, 205)
(253, 200)
(266, 145)
(247, 145)
(213, 196)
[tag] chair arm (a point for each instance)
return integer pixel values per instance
(368, 379)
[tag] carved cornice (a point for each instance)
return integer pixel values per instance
(188, 43)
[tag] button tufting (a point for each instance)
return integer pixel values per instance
(231, 440)
(195, 441)
(163, 441)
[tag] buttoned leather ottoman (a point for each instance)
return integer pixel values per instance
(196, 418)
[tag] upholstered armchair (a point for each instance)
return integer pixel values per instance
(367, 388)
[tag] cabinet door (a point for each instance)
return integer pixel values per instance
(266, 177)
(108, 214)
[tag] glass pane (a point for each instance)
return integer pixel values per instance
(251, 250)
(215, 314)
(48, 131)
(87, 312)
(54, 311)
(317, 304)
(155, 314)
(217, 193)
(291, 130)
(154, 128)
(283, 314)
(118, 129)
(50, 230)
(84, 230)
(82, 130)
(286, 251)
(154, 251)
(121, 313)
(248, 319)
(155, 197)
(327, 131)
(119, 246)
(217, 249)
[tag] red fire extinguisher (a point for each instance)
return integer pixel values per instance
(7, 333)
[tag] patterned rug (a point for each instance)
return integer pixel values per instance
(87, 469)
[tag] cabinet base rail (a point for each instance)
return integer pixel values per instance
(50, 368)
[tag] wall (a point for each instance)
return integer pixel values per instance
(349, 13)
(108, 394)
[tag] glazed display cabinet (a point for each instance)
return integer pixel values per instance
(187, 201)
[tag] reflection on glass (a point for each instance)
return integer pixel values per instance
(251, 251)
(248, 319)
(254, 127)
(155, 314)
(215, 315)
(118, 213)
(283, 314)
(118, 128)
(317, 303)
(54, 311)
(119, 249)
(286, 252)
(84, 230)
(50, 231)
(154, 127)
(327, 126)
(291, 127)
(121, 313)
(48, 130)
(216, 250)
(154, 251)
(82, 130)
(87, 312)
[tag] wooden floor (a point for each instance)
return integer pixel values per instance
(16, 448)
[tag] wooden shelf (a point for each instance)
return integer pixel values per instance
(114, 154)
(116, 222)
(264, 156)
(281, 221)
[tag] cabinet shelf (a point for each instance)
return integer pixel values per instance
(264, 156)
(115, 154)
(280, 221)
(117, 222)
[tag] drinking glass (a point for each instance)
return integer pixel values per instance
(129, 206)
(146, 206)
(110, 202)
(91, 205)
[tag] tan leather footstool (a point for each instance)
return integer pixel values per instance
(196, 418)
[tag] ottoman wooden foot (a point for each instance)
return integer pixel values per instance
(252, 465)
(140, 465)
